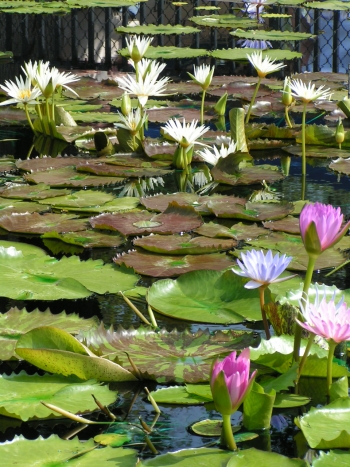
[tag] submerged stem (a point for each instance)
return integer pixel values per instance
(263, 313)
(247, 118)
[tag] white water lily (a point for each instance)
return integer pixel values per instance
(186, 134)
(132, 122)
(137, 47)
(20, 92)
(264, 66)
(49, 79)
(149, 67)
(31, 69)
(214, 155)
(307, 92)
(143, 87)
(202, 75)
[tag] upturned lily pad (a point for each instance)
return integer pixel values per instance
(69, 177)
(248, 175)
(111, 170)
(289, 225)
(327, 427)
(153, 29)
(184, 244)
(35, 223)
(46, 278)
(16, 322)
(251, 211)
(237, 231)
(56, 451)
(166, 356)
(88, 239)
(173, 220)
(159, 203)
(206, 457)
(31, 192)
(56, 351)
(206, 297)
(341, 165)
(156, 265)
(20, 395)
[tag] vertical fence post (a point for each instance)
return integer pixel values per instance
(197, 35)
(297, 67)
(108, 38)
(214, 35)
(142, 13)
(24, 32)
(8, 31)
(315, 66)
(74, 37)
(91, 34)
(56, 38)
(160, 20)
(336, 18)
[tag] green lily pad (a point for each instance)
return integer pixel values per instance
(223, 21)
(174, 219)
(46, 163)
(88, 239)
(112, 439)
(182, 244)
(214, 428)
(20, 395)
(80, 199)
(58, 452)
(31, 192)
(238, 231)
(153, 29)
(333, 5)
(284, 401)
(271, 35)
(16, 322)
(132, 160)
(247, 175)
(321, 152)
(250, 211)
(327, 427)
(334, 458)
(206, 297)
(241, 54)
(206, 457)
(167, 356)
(254, 456)
(169, 52)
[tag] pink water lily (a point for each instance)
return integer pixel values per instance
(230, 382)
(262, 269)
(320, 227)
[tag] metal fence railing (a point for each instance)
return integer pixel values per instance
(87, 37)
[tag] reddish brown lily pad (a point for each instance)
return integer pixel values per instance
(40, 191)
(174, 219)
(159, 203)
(113, 171)
(69, 177)
(241, 89)
(172, 266)
(341, 165)
(132, 160)
(23, 207)
(154, 148)
(251, 211)
(289, 224)
(38, 224)
(237, 231)
(164, 114)
(248, 175)
(183, 244)
(46, 163)
(323, 152)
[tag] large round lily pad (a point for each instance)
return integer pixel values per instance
(88, 238)
(289, 224)
(111, 170)
(206, 297)
(46, 163)
(173, 220)
(247, 175)
(237, 231)
(251, 211)
(153, 29)
(40, 191)
(38, 224)
(183, 244)
(171, 266)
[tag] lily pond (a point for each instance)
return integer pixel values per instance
(150, 230)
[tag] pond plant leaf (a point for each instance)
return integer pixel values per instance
(174, 219)
(20, 395)
(271, 35)
(58, 452)
(157, 265)
(16, 322)
(327, 427)
(80, 199)
(289, 224)
(166, 356)
(169, 52)
(56, 351)
(103, 169)
(250, 211)
(46, 163)
(135, 160)
(241, 53)
(153, 29)
(254, 456)
(247, 175)
(183, 244)
(334, 458)
(179, 395)
(35, 223)
(287, 401)
(87, 238)
(341, 165)
(238, 231)
(206, 297)
(31, 192)
(206, 457)
(257, 408)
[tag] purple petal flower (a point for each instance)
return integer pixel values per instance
(230, 382)
(261, 269)
(320, 227)
(329, 320)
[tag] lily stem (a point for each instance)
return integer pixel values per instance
(303, 139)
(286, 116)
(247, 118)
(28, 118)
(202, 107)
(303, 361)
(332, 346)
(263, 313)
(227, 434)
(307, 282)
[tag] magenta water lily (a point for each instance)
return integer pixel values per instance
(230, 384)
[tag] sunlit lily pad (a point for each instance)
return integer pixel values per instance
(247, 175)
(289, 224)
(46, 163)
(333, 5)
(131, 160)
(341, 165)
(153, 29)
(167, 356)
(206, 297)
(237, 231)
(31, 192)
(241, 53)
(156, 265)
(20, 395)
(170, 52)
(316, 151)
(184, 244)
(173, 220)
(206, 457)
(332, 458)
(88, 239)
(69, 177)
(223, 21)
(271, 35)
(80, 199)
(35, 223)
(251, 211)
(16, 322)
(56, 451)
(112, 170)
(20, 207)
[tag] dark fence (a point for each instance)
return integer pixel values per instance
(87, 38)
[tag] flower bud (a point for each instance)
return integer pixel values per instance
(126, 105)
(220, 106)
(287, 97)
(339, 132)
